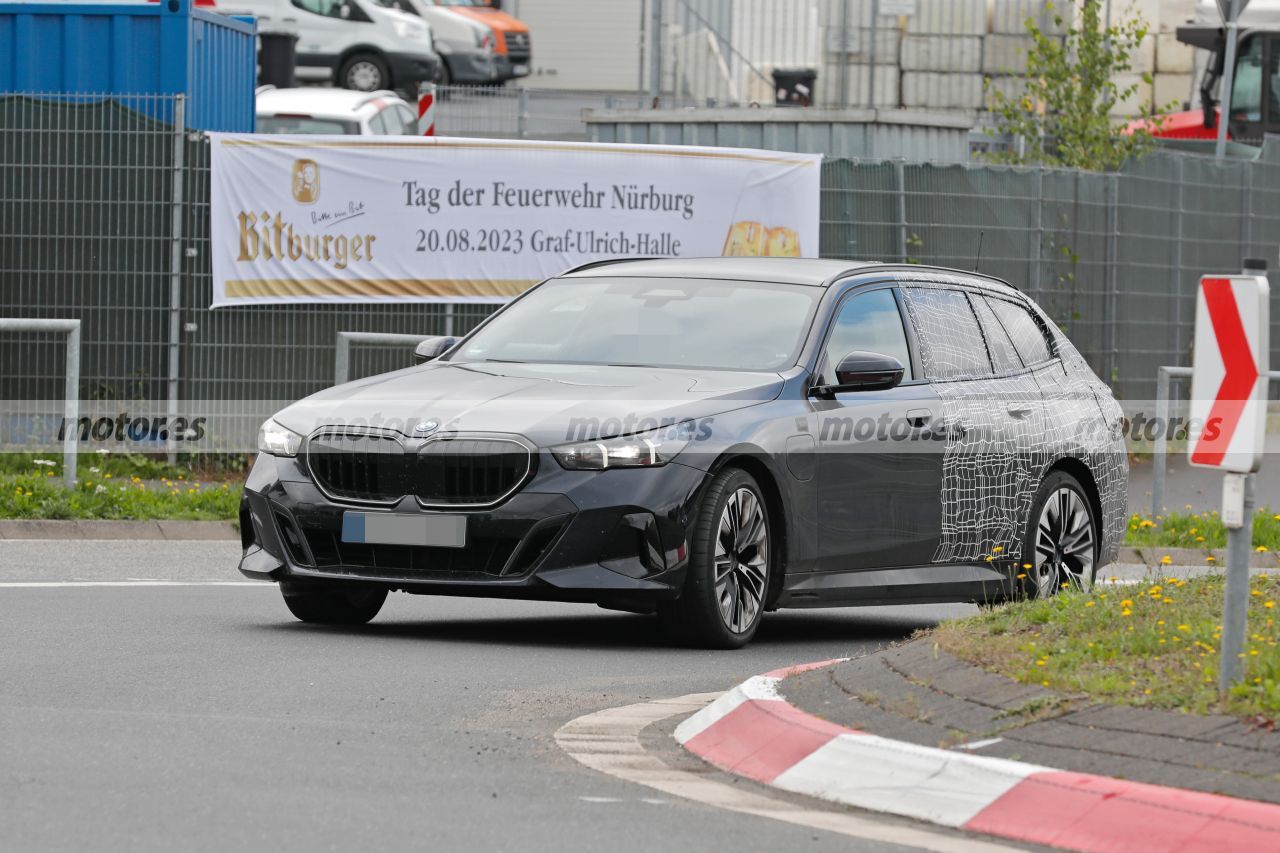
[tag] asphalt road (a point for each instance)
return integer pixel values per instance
(204, 717)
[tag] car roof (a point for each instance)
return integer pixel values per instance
(322, 102)
(814, 272)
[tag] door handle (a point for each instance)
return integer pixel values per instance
(919, 417)
(1019, 412)
(290, 20)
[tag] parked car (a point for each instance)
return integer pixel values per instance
(466, 46)
(513, 49)
(705, 440)
(339, 111)
(356, 44)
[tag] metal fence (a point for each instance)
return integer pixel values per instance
(525, 113)
(923, 54)
(89, 190)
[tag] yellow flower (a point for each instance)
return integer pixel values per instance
(1159, 621)
(989, 558)
(1026, 565)
(1184, 627)
(1147, 523)
(996, 550)
(1090, 603)
(1126, 603)
(1154, 591)
(1166, 560)
(1268, 604)
(1166, 600)
(1022, 575)
(1199, 538)
(1211, 559)
(1126, 612)
(1261, 549)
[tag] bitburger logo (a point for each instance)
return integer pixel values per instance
(306, 181)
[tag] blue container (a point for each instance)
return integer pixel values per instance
(165, 48)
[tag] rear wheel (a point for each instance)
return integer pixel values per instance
(337, 604)
(1061, 545)
(730, 559)
(364, 72)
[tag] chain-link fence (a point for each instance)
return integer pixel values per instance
(89, 189)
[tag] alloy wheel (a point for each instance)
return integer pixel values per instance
(741, 560)
(1064, 544)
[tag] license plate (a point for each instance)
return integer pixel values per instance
(520, 69)
(380, 528)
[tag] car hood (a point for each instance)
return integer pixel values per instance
(547, 403)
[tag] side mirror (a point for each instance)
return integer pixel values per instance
(432, 348)
(865, 371)
(344, 12)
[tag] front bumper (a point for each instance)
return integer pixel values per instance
(470, 66)
(511, 67)
(408, 68)
(618, 537)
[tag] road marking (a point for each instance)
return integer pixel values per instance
(128, 583)
(608, 741)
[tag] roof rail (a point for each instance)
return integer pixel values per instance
(930, 268)
(373, 96)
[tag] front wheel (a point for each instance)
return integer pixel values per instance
(339, 604)
(1061, 545)
(730, 560)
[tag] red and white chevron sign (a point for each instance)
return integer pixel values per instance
(1229, 373)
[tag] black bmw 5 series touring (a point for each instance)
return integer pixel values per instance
(704, 440)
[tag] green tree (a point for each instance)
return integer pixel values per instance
(1062, 116)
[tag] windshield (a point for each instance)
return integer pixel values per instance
(660, 322)
(305, 124)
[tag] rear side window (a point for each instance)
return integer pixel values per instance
(1028, 338)
(951, 344)
(1003, 355)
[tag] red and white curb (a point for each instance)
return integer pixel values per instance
(753, 731)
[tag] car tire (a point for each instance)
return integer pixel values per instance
(345, 604)
(364, 72)
(731, 558)
(1061, 541)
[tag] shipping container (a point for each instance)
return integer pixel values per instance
(119, 50)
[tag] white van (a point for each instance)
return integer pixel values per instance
(356, 44)
(467, 47)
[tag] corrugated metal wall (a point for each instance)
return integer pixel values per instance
(134, 48)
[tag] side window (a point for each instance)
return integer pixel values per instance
(1246, 88)
(1003, 354)
(380, 123)
(951, 344)
(408, 119)
(1028, 338)
(869, 322)
(327, 8)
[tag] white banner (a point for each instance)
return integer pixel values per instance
(406, 219)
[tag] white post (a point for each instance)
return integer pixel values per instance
(1228, 79)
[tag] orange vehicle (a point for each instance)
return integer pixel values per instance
(513, 53)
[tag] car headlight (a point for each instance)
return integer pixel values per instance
(278, 441)
(642, 450)
(411, 30)
(484, 39)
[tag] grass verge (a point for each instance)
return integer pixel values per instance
(112, 487)
(1198, 530)
(1155, 645)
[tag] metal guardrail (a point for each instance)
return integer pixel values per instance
(71, 406)
(1163, 377)
(342, 359)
